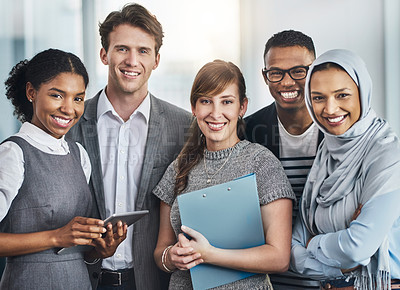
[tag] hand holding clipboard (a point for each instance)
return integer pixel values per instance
(228, 215)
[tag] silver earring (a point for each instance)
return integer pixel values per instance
(30, 100)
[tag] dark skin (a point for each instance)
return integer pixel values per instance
(63, 96)
(79, 231)
(292, 110)
(296, 122)
(107, 245)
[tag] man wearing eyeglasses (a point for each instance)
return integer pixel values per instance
(285, 127)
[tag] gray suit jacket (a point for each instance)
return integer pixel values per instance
(167, 132)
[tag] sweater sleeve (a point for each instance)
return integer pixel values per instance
(165, 188)
(272, 182)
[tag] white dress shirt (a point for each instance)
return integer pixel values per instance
(122, 147)
(12, 161)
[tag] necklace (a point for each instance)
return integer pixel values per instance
(222, 166)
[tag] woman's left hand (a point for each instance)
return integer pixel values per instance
(309, 240)
(198, 242)
(107, 245)
(188, 253)
(356, 212)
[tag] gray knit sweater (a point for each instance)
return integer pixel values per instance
(244, 158)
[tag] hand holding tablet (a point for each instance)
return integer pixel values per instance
(127, 218)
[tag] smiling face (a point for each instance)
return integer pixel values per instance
(58, 104)
(335, 100)
(217, 117)
(131, 58)
(288, 93)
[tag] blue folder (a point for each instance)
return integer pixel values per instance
(229, 216)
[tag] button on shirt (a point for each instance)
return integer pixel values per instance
(122, 146)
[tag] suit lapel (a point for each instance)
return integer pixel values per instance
(273, 134)
(152, 147)
(91, 143)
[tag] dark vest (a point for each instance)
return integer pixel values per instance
(53, 192)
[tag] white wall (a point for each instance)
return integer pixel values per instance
(199, 31)
(392, 62)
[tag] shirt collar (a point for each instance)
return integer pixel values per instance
(104, 106)
(39, 136)
(144, 108)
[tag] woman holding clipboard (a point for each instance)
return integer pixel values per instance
(214, 154)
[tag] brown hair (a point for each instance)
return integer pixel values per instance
(212, 79)
(135, 15)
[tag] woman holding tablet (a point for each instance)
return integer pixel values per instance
(44, 196)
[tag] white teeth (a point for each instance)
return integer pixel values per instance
(62, 121)
(335, 120)
(289, 95)
(216, 126)
(132, 74)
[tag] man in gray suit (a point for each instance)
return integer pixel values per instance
(131, 137)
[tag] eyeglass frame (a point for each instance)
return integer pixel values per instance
(284, 72)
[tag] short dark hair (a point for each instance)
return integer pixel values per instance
(135, 15)
(289, 38)
(42, 68)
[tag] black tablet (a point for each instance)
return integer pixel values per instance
(127, 218)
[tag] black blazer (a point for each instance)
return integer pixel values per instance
(262, 128)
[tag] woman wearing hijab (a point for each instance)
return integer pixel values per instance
(349, 230)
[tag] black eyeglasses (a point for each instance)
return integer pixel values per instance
(276, 75)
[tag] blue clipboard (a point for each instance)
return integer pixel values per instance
(229, 216)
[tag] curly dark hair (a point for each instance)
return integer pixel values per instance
(135, 15)
(42, 68)
(289, 38)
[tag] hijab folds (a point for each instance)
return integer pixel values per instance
(342, 175)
